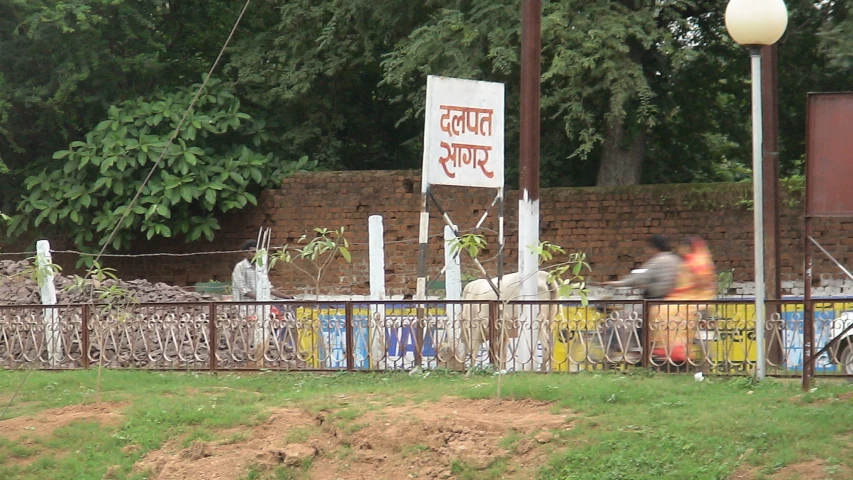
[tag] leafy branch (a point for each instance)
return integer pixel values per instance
(567, 275)
(104, 286)
(315, 255)
(112, 298)
(215, 163)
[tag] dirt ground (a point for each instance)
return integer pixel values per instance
(47, 421)
(811, 470)
(385, 442)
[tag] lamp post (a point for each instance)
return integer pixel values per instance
(753, 24)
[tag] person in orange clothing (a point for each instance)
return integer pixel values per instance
(696, 281)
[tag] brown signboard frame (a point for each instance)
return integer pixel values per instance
(829, 155)
(829, 177)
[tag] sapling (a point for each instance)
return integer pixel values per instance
(568, 276)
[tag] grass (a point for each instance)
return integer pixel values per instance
(463, 471)
(413, 450)
(640, 426)
(510, 441)
(298, 435)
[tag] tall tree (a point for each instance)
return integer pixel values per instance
(63, 63)
(314, 67)
(608, 67)
(632, 90)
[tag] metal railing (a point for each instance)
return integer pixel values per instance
(713, 337)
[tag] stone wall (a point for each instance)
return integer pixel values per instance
(610, 224)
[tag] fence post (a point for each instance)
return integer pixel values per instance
(262, 294)
(452, 288)
(376, 322)
(495, 352)
(453, 272)
(84, 326)
(212, 339)
(645, 331)
(348, 333)
(47, 290)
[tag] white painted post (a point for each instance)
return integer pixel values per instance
(453, 271)
(262, 294)
(48, 297)
(528, 265)
(452, 290)
(376, 252)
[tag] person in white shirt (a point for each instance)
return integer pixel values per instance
(244, 279)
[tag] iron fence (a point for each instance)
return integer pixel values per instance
(546, 336)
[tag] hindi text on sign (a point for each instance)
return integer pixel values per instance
(461, 154)
(464, 133)
(456, 120)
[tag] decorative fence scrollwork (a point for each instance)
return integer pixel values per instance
(714, 337)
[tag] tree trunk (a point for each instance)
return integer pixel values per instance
(621, 158)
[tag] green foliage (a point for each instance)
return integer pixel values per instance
(724, 282)
(836, 33)
(63, 63)
(315, 255)
(471, 243)
(38, 269)
(207, 169)
(568, 274)
(111, 295)
(659, 85)
(315, 67)
(608, 68)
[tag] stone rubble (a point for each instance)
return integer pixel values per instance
(18, 288)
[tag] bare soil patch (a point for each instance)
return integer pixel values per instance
(376, 441)
(811, 470)
(223, 459)
(46, 421)
(745, 473)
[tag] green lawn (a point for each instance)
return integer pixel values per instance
(639, 426)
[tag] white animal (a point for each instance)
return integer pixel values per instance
(474, 318)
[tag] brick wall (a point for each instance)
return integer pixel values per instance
(610, 224)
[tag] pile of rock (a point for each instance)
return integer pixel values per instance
(828, 287)
(17, 287)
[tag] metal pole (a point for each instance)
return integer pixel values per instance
(349, 333)
(423, 249)
(770, 140)
(213, 338)
(528, 201)
(772, 203)
(84, 335)
(758, 211)
(645, 334)
(808, 316)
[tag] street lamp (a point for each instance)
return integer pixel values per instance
(753, 24)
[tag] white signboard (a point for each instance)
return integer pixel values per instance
(464, 133)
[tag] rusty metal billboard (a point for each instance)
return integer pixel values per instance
(829, 155)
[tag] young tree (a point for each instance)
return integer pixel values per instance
(567, 276)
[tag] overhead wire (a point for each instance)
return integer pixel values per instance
(174, 133)
(156, 164)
